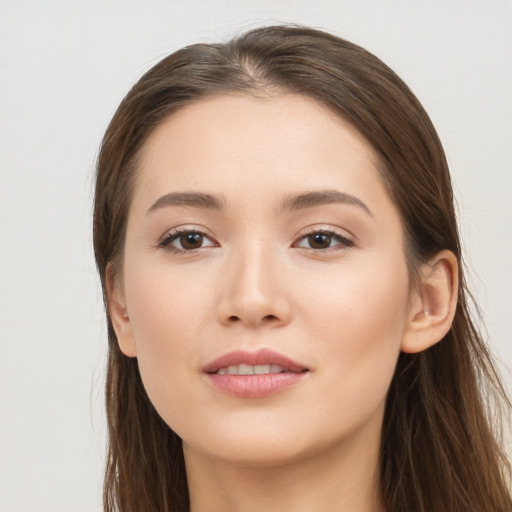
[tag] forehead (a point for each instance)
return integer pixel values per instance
(290, 138)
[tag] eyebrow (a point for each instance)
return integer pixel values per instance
(290, 203)
(321, 197)
(190, 199)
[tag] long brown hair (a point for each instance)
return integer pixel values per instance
(439, 447)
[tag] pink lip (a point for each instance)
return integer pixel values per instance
(263, 356)
(254, 386)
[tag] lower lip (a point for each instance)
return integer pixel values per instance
(254, 386)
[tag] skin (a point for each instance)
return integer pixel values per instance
(257, 282)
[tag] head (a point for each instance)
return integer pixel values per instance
(432, 377)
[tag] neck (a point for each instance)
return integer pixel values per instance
(341, 479)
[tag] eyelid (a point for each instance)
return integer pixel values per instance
(346, 239)
(173, 234)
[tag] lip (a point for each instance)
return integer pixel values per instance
(263, 356)
(254, 386)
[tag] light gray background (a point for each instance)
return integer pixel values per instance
(64, 67)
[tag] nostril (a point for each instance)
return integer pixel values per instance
(267, 318)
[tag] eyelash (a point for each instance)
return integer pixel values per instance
(343, 241)
(175, 234)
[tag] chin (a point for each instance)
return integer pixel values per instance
(260, 446)
(255, 453)
(258, 442)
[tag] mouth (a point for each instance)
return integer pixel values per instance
(254, 374)
(247, 369)
(261, 362)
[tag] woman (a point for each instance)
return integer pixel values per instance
(288, 319)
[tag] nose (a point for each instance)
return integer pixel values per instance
(251, 290)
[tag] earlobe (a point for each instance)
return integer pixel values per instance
(434, 303)
(119, 316)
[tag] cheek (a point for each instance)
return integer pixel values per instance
(356, 319)
(164, 304)
(164, 311)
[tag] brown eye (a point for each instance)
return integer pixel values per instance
(324, 240)
(191, 241)
(319, 241)
(186, 240)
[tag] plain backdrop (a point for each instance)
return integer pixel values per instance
(64, 67)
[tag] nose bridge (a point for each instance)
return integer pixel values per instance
(252, 290)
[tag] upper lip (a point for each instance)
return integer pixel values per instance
(260, 357)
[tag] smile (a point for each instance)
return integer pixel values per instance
(247, 369)
(254, 374)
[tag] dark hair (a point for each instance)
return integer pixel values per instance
(439, 448)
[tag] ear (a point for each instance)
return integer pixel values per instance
(433, 303)
(119, 315)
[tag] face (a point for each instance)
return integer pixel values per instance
(264, 280)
